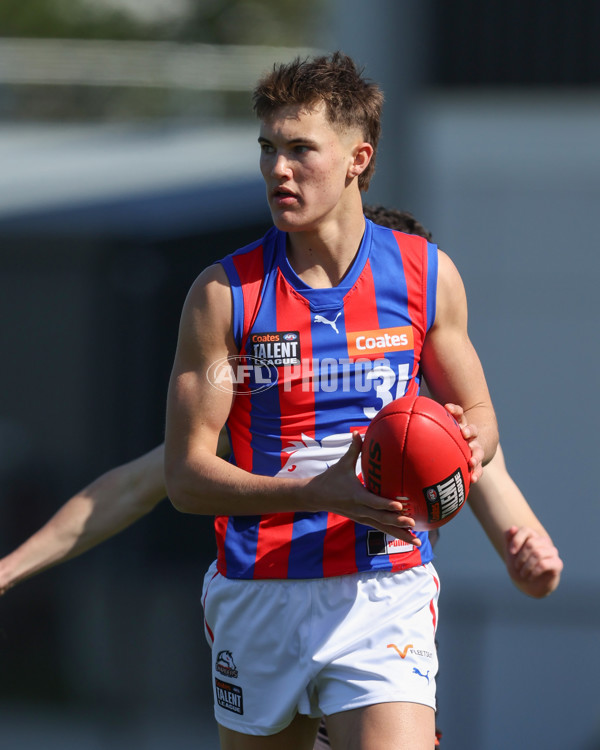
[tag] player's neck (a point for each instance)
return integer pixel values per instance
(323, 256)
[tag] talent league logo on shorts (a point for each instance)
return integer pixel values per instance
(229, 696)
(225, 664)
(276, 348)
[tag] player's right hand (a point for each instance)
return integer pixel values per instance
(338, 490)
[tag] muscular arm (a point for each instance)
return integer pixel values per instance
(102, 509)
(531, 559)
(200, 482)
(451, 365)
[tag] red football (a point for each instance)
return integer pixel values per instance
(414, 448)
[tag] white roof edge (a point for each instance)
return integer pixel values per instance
(60, 167)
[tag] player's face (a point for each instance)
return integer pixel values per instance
(305, 163)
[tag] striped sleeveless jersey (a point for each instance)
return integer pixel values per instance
(314, 366)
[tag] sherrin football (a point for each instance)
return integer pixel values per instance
(414, 448)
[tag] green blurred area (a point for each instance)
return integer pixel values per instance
(224, 22)
(117, 60)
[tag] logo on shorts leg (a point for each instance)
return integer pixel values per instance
(401, 652)
(225, 664)
(426, 676)
(410, 649)
(229, 696)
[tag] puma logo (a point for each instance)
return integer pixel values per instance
(332, 323)
(401, 654)
(426, 676)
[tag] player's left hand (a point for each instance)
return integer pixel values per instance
(532, 561)
(469, 432)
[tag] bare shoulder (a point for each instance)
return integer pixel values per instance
(447, 269)
(451, 296)
(211, 287)
(207, 311)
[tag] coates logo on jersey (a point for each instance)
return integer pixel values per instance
(377, 342)
(242, 375)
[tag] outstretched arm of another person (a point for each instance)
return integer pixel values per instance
(102, 509)
(532, 561)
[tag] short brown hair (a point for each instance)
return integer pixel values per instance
(351, 100)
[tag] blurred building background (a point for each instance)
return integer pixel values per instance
(128, 163)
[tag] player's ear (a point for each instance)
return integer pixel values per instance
(361, 156)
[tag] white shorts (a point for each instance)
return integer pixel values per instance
(319, 646)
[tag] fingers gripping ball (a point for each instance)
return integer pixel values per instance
(414, 448)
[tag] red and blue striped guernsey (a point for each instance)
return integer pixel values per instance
(316, 365)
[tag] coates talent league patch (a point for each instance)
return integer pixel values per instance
(276, 348)
(229, 696)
